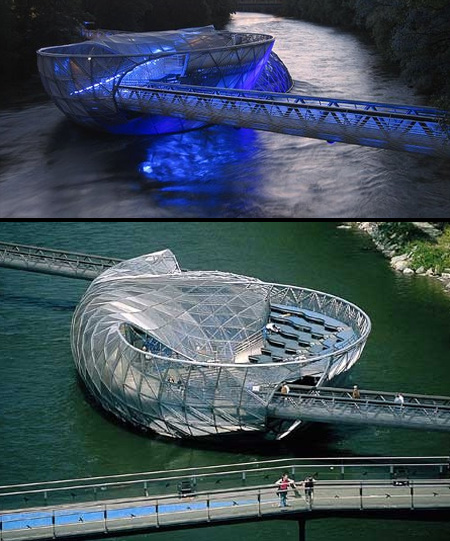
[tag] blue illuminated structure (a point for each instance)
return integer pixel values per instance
(83, 78)
(167, 82)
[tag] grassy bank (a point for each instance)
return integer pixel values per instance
(425, 252)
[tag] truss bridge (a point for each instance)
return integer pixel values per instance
(398, 127)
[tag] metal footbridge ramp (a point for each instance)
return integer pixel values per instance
(138, 503)
(56, 262)
(398, 127)
(336, 405)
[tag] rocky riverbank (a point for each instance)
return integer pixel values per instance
(413, 247)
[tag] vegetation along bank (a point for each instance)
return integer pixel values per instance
(412, 35)
(413, 247)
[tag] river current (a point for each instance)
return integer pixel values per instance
(51, 168)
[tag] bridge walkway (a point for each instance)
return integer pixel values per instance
(56, 262)
(103, 507)
(399, 127)
(331, 405)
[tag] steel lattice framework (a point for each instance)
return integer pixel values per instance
(184, 353)
(82, 78)
(58, 262)
(399, 127)
(330, 405)
(172, 81)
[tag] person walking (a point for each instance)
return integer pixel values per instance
(283, 485)
(285, 390)
(399, 400)
(309, 489)
(355, 393)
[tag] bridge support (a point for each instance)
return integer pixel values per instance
(301, 530)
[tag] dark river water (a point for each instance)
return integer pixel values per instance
(51, 168)
(49, 430)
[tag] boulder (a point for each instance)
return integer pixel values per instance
(408, 271)
(400, 265)
(397, 258)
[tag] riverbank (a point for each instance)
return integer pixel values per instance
(421, 248)
(411, 38)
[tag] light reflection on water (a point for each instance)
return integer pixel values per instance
(202, 165)
(51, 168)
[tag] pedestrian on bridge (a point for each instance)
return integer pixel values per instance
(355, 393)
(399, 399)
(309, 489)
(285, 390)
(283, 485)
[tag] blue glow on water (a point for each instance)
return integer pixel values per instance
(200, 166)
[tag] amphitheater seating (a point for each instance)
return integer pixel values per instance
(301, 332)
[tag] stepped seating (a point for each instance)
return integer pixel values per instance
(302, 333)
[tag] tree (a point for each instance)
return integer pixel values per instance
(118, 14)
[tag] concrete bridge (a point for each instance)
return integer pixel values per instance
(103, 507)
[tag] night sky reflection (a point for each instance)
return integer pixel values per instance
(201, 167)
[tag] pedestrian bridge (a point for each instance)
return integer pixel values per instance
(175, 499)
(398, 127)
(335, 405)
(56, 262)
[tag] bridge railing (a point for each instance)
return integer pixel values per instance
(373, 407)
(220, 505)
(408, 128)
(247, 475)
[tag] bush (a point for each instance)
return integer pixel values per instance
(429, 254)
(402, 233)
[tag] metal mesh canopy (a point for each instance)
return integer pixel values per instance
(189, 353)
(153, 43)
(83, 78)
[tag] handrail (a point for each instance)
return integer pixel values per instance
(268, 98)
(267, 466)
(269, 486)
(362, 402)
(326, 389)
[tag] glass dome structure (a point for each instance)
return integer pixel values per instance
(189, 353)
(83, 78)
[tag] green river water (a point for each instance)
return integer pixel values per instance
(49, 430)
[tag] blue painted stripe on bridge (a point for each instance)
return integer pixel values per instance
(30, 520)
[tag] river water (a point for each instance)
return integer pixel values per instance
(49, 430)
(52, 168)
